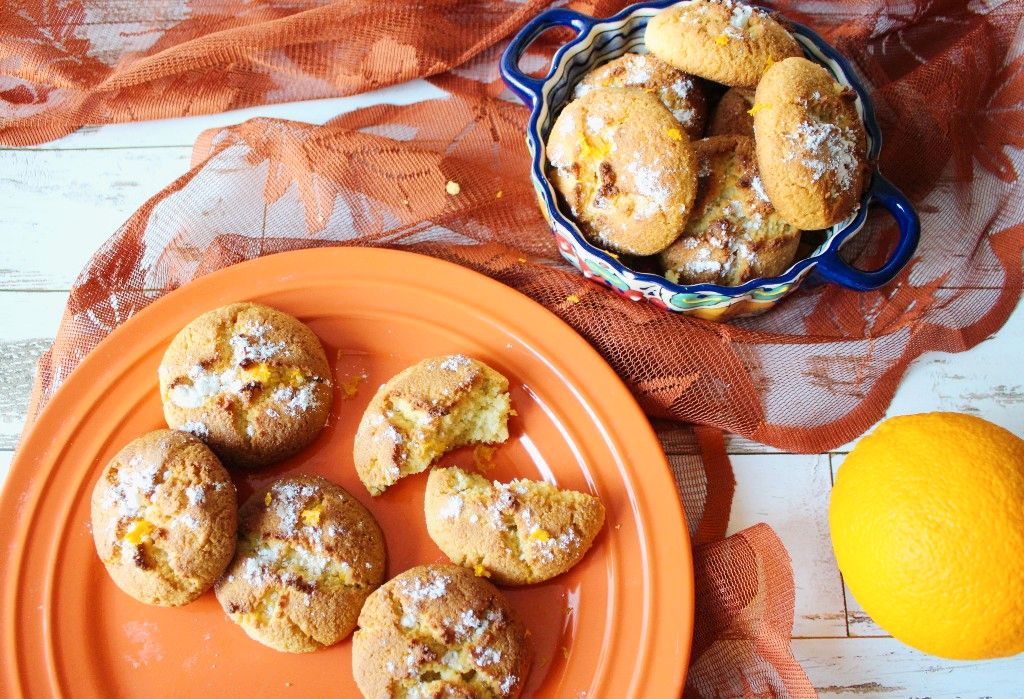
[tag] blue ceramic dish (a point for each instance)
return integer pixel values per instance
(598, 41)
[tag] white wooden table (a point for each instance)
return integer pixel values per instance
(60, 201)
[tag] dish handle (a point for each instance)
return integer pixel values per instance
(526, 87)
(834, 269)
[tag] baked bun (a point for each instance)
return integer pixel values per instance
(163, 518)
(308, 556)
(250, 381)
(811, 144)
(424, 412)
(732, 114)
(625, 168)
(735, 234)
(515, 533)
(439, 631)
(682, 94)
(724, 41)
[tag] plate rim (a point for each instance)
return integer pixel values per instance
(25, 484)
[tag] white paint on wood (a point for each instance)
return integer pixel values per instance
(28, 322)
(790, 493)
(884, 667)
(59, 207)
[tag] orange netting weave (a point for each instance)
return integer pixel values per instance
(948, 85)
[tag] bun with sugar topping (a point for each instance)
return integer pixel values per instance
(439, 631)
(682, 94)
(250, 381)
(308, 556)
(163, 518)
(725, 41)
(735, 234)
(515, 533)
(811, 145)
(625, 168)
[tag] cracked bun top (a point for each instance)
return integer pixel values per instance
(308, 556)
(250, 381)
(163, 518)
(439, 631)
(514, 533)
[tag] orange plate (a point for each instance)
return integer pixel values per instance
(617, 625)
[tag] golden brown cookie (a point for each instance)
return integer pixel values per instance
(515, 533)
(250, 381)
(732, 114)
(725, 41)
(811, 145)
(308, 556)
(625, 168)
(439, 631)
(163, 518)
(679, 92)
(425, 411)
(735, 234)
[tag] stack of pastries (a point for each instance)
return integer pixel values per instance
(718, 198)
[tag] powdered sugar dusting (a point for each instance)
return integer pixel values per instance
(134, 489)
(456, 362)
(758, 188)
(451, 508)
(648, 182)
(826, 147)
(194, 427)
(295, 400)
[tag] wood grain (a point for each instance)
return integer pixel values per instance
(790, 493)
(28, 322)
(884, 667)
(63, 205)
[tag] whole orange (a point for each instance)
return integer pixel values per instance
(927, 519)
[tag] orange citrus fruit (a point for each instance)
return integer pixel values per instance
(927, 519)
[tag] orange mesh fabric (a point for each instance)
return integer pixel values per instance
(814, 373)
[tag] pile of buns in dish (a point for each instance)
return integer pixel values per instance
(643, 175)
(300, 565)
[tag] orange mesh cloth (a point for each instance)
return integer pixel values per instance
(814, 373)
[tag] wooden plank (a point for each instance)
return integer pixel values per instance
(884, 667)
(60, 206)
(183, 131)
(790, 493)
(28, 322)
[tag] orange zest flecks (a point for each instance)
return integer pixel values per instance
(722, 39)
(539, 535)
(482, 455)
(481, 572)
(758, 107)
(675, 134)
(266, 499)
(572, 298)
(350, 385)
(311, 517)
(138, 531)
